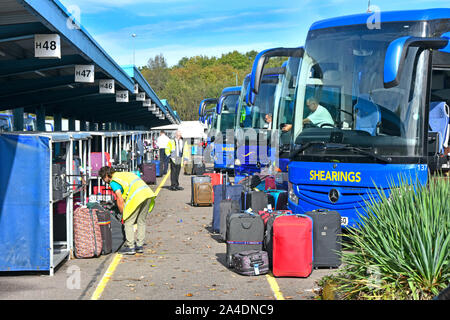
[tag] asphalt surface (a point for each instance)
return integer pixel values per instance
(183, 260)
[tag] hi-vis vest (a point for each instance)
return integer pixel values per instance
(135, 191)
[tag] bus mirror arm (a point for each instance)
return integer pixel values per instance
(398, 49)
(263, 57)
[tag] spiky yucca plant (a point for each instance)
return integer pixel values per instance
(400, 250)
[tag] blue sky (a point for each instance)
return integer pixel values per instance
(178, 28)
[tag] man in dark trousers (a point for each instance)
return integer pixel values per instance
(174, 151)
(162, 142)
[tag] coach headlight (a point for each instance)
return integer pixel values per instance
(292, 195)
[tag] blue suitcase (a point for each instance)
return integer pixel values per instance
(158, 171)
(233, 192)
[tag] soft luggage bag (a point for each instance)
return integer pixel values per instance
(244, 232)
(148, 172)
(157, 167)
(232, 192)
(87, 234)
(280, 199)
(256, 200)
(292, 254)
(59, 185)
(198, 169)
(203, 194)
(197, 179)
(327, 242)
(251, 263)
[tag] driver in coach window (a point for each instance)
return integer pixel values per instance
(319, 115)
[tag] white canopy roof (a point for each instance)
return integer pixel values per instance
(189, 129)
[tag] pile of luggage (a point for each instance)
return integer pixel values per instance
(97, 229)
(261, 234)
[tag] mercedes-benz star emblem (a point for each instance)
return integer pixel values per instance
(333, 195)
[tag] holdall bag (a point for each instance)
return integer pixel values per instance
(292, 254)
(251, 263)
(327, 243)
(232, 192)
(148, 172)
(203, 194)
(197, 179)
(244, 232)
(87, 234)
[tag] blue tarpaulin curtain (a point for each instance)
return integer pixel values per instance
(24, 203)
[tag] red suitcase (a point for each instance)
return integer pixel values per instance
(216, 178)
(292, 246)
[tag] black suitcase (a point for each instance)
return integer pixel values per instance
(198, 179)
(327, 238)
(244, 232)
(148, 171)
(251, 263)
(256, 200)
(198, 169)
(116, 226)
(104, 221)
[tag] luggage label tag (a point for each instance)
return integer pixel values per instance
(256, 268)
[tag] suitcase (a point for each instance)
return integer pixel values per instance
(148, 172)
(327, 242)
(104, 221)
(87, 234)
(203, 194)
(244, 232)
(292, 254)
(266, 214)
(96, 162)
(188, 168)
(158, 167)
(256, 200)
(232, 192)
(216, 178)
(251, 263)
(226, 207)
(117, 228)
(197, 179)
(280, 199)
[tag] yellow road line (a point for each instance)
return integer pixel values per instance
(106, 277)
(117, 258)
(274, 285)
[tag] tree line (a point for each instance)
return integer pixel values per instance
(196, 78)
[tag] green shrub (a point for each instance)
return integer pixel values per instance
(400, 250)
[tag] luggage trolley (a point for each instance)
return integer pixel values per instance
(37, 233)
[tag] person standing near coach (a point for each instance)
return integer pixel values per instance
(175, 153)
(162, 142)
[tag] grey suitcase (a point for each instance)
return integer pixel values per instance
(198, 179)
(244, 232)
(327, 238)
(227, 207)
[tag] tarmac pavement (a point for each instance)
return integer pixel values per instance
(182, 260)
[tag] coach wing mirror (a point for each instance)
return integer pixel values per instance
(263, 57)
(397, 50)
(204, 103)
(220, 105)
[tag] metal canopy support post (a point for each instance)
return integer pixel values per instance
(57, 120)
(18, 119)
(72, 124)
(40, 118)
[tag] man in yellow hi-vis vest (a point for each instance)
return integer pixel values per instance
(176, 153)
(135, 200)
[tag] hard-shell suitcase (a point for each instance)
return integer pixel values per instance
(157, 167)
(87, 234)
(232, 192)
(197, 179)
(117, 228)
(216, 178)
(227, 206)
(148, 172)
(327, 233)
(203, 194)
(96, 162)
(244, 232)
(292, 254)
(256, 200)
(251, 263)
(280, 199)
